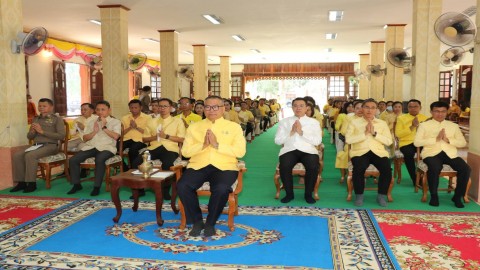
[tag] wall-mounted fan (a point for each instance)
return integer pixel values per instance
(93, 60)
(353, 80)
(376, 70)
(455, 29)
(452, 56)
(154, 71)
(136, 62)
(30, 43)
(186, 72)
(399, 58)
(359, 74)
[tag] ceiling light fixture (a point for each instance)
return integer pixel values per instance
(152, 40)
(238, 38)
(188, 52)
(328, 50)
(255, 50)
(335, 15)
(97, 22)
(213, 19)
(331, 35)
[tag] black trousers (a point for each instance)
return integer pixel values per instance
(133, 149)
(435, 165)
(360, 165)
(309, 161)
(220, 186)
(408, 152)
(264, 122)
(100, 158)
(248, 129)
(167, 158)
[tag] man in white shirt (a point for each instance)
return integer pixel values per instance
(299, 135)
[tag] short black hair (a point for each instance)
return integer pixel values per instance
(104, 102)
(439, 104)
(369, 100)
(214, 97)
(300, 99)
(147, 88)
(166, 99)
(47, 100)
(228, 100)
(382, 102)
(187, 98)
(90, 105)
(397, 102)
(356, 101)
(310, 99)
(414, 100)
(135, 101)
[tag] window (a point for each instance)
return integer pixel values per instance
(214, 85)
(236, 86)
(156, 84)
(445, 86)
(353, 89)
(336, 86)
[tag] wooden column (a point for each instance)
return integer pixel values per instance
(200, 71)
(363, 83)
(394, 38)
(169, 64)
(115, 56)
(13, 111)
(377, 54)
(225, 77)
(426, 49)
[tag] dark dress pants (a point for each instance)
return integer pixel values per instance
(310, 162)
(220, 186)
(167, 158)
(100, 158)
(133, 149)
(435, 165)
(360, 165)
(408, 152)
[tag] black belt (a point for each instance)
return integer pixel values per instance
(42, 143)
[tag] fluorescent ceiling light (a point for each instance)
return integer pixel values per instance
(331, 35)
(188, 52)
(97, 22)
(238, 38)
(152, 40)
(335, 15)
(255, 50)
(328, 50)
(213, 19)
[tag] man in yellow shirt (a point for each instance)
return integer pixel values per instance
(213, 145)
(405, 131)
(163, 134)
(264, 109)
(247, 120)
(186, 114)
(368, 137)
(134, 125)
(440, 139)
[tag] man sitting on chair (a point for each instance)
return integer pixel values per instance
(213, 145)
(299, 135)
(368, 137)
(134, 125)
(440, 139)
(45, 131)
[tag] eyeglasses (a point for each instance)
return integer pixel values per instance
(437, 111)
(369, 108)
(163, 106)
(213, 108)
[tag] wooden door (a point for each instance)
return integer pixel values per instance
(465, 85)
(59, 88)
(96, 85)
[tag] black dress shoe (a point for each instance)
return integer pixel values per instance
(75, 188)
(209, 230)
(95, 191)
(19, 186)
(434, 200)
(31, 187)
(197, 228)
(141, 193)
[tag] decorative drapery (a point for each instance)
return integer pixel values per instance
(66, 50)
(300, 71)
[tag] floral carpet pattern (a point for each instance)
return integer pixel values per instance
(15, 210)
(353, 240)
(432, 240)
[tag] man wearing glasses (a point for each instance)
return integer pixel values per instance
(163, 134)
(186, 114)
(440, 139)
(213, 146)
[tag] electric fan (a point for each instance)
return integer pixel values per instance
(399, 58)
(186, 72)
(137, 61)
(376, 70)
(455, 29)
(93, 60)
(30, 43)
(452, 56)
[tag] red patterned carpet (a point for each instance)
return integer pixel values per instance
(432, 240)
(15, 210)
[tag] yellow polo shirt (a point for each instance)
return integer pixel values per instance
(275, 107)
(191, 118)
(402, 128)
(171, 125)
(232, 116)
(246, 116)
(264, 109)
(427, 137)
(362, 143)
(317, 115)
(134, 134)
(231, 145)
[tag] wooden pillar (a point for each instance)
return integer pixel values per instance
(377, 54)
(363, 83)
(115, 56)
(225, 77)
(200, 71)
(169, 64)
(394, 38)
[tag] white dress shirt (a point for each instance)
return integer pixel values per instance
(306, 143)
(101, 140)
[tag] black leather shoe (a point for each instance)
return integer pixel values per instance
(19, 186)
(75, 188)
(209, 230)
(197, 228)
(141, 193)
(95, 191)
(31, 187)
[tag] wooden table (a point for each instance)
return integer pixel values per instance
(135, 182)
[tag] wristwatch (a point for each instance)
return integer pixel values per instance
(167, 137)
(375, 134)
(104, 127)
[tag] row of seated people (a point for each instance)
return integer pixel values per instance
(371, 140)
(212, 145)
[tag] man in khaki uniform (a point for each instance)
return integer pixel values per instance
(46, 130)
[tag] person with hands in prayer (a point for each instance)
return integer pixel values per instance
(440, 140)
(368, 137)
(299, 135)
(213, 146)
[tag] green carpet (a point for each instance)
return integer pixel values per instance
(259, 189)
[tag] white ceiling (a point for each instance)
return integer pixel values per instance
(285, 31)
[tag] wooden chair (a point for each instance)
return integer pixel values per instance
(46, 164)
(114, 163)
(232, 199)
(299, 170)
(421, 180)
(370, 172)
(397, 157)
